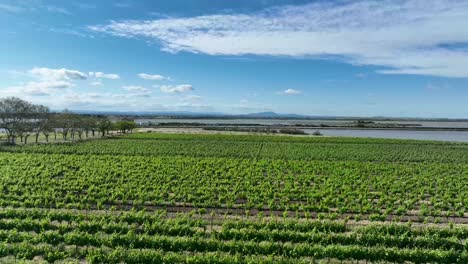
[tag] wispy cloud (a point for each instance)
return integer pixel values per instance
(101, 75)
(56, 9)
(31, 6)
(48, 81)
(290, 92)
(403, 37)
(135, 88)
(42, 88)
(153, 77)
(361, 75)
(84, 5)
(191, 98)
(138, 91)
(57, 74)
(96, 83)
(123, 4)
(176, 88)
(436, 87)
(73, 32)
(11, 8)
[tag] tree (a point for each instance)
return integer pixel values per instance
(65, 121)
(125, 126)
(89, 125)
(47, 129)
(20, 118)
(42, 121)
(104, 125)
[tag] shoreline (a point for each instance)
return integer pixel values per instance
(243, 126)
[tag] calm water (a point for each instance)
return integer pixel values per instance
(455, 136)
(395, 134)
(301, 122)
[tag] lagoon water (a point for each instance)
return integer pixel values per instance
(306, 122)
(455, 136)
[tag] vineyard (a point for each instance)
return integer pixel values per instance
(162, 198)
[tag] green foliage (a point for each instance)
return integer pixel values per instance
(243, 199)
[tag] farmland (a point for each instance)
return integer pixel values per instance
(153, 198)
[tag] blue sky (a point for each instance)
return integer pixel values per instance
(405, 58)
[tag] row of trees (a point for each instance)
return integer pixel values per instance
(22, 119)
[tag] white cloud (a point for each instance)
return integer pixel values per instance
(101, 101)
(57, 74)
(436, 87)
(56, 9)
(134, 88)
(176, 88)
(405, 36)
(153, 77)
(361, 75)
(37, 88)
(290, 92)
(101, 75)
(85, 5)
(48, 82)
(11, 8)
(32, 6)
(123, 4)
(136, 91)
(191, 98)
(96, 83)
(72, 32)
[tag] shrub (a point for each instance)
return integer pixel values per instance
(317, 133)
(292, 131)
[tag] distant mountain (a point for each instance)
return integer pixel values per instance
(150, 113)
(266, 115)
(274, 115)
(263, 115)
(187, 114)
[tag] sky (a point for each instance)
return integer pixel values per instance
(395, 58)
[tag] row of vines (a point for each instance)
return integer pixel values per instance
(155, 198)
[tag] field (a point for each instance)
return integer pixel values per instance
(168, 198)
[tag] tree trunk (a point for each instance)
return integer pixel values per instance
(37, 138)
(26, 139)
(47, 138)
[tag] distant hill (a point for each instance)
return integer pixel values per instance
(265, 115)
(187, 114)
(274, 115)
